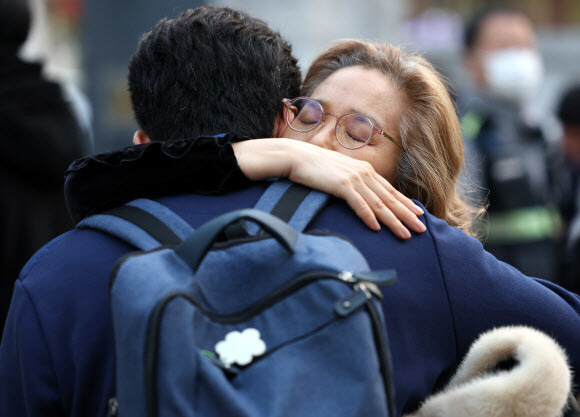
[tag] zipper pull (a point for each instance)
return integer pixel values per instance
(371, 278)
(353, 301)
(347, 276)
(113, 405)
(382, 278)
(365, 288)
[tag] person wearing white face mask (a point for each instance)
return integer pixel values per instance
(513, 74)
(507, 154)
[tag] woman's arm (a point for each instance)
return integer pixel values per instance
(210, 165)
(371, 196)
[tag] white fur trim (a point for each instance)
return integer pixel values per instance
(538, 386)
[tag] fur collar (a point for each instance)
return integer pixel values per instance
(508, 372)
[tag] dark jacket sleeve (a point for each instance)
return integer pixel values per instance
(28, 385)
(206, 165)
(485, 293)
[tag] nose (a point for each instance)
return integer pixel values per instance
(324, 135)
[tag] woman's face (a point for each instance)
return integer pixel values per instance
(366, 91)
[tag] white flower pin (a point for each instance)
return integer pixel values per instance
(240, 348)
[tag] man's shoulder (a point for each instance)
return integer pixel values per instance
(460, 255)
(197, 209)
(442, 250)
(75, 248)
(448, 236)
(86, 252)
(74, 265)
(339, 216)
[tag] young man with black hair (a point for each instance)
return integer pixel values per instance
(200, 57)
(57, 358)
(211, 70)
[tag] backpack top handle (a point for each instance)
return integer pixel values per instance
(194, 248)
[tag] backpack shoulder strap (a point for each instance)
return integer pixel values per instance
(296, 204)
(142, 223)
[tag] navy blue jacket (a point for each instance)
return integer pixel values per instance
(56, 356)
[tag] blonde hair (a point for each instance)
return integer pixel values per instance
(432, 158)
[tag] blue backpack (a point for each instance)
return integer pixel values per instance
(247, 316)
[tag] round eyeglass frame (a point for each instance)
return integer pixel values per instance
(289, 102)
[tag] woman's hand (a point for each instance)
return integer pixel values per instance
(370, 196)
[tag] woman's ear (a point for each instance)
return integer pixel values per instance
(140, 137)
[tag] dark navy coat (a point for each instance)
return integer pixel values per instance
(56, 356)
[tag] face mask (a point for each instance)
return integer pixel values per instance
(513, 74)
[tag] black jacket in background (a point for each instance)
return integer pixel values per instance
(39, 138)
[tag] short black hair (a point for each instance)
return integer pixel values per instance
(209, 71)
(473, 26)
(569, 107)
(15, 23)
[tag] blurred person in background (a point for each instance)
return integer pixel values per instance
(569, 115)
(40, 137)
(507, 154)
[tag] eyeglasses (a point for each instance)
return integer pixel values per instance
(353, 130)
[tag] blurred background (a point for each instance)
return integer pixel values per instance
(84, 46)
(89, 43)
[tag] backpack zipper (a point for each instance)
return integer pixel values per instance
(275, 296)
(381, 342)
(269, 300)
(349, 304)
